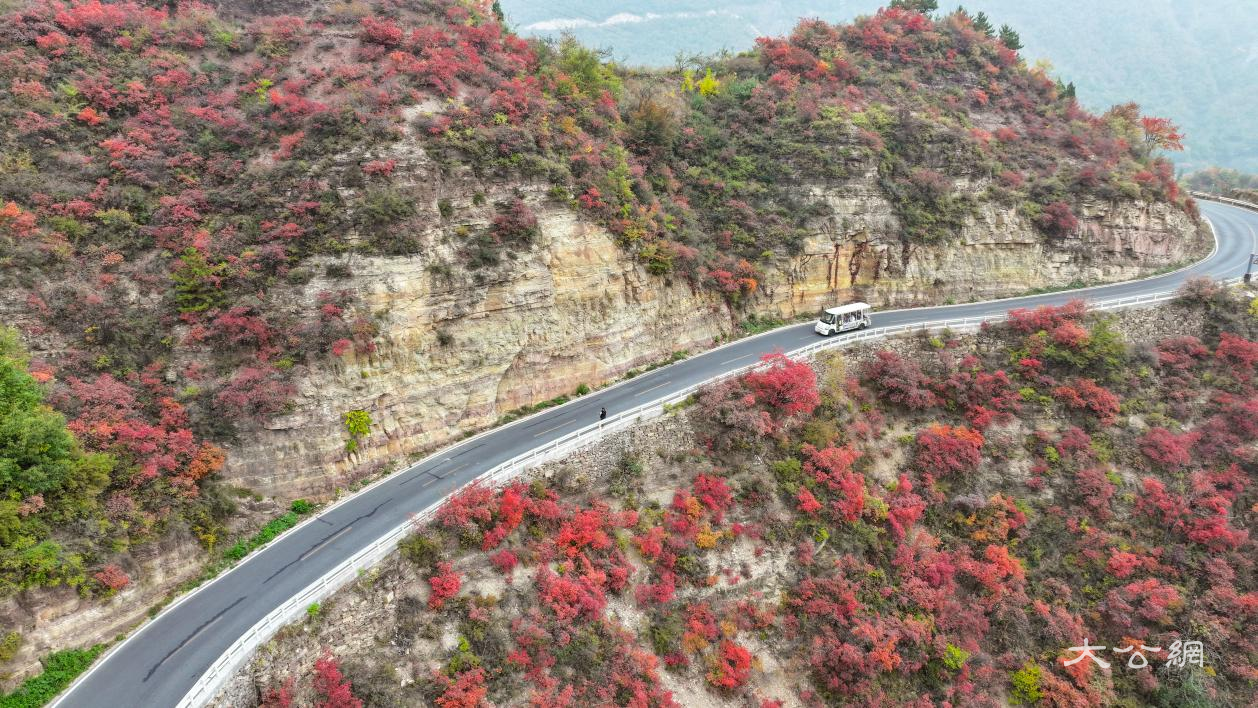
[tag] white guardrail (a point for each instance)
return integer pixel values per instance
(216, 676)
(1226, 200)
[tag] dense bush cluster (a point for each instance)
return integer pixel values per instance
(66, 510)
(944, 541)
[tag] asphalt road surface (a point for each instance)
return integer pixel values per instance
(161, 662)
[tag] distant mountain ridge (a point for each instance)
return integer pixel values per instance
(1194, 62)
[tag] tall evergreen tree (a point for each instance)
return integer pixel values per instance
(983, 24)
(1010, 38)
(923, 6)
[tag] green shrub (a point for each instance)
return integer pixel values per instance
(955, 657)
(358, 423)
(196, 282)
(9, 646)
(60, 669)
(420, 550)
(39, 456)
(301, 506)
(268, 533)
(1026, 685)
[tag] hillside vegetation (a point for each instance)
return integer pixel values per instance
(165, 173)
(937, 523)
(1194, 62)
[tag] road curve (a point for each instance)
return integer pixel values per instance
(162, 660)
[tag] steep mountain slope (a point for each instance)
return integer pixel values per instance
(286, 250)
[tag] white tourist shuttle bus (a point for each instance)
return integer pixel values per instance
(843, 319)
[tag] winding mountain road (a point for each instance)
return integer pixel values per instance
(162, 661)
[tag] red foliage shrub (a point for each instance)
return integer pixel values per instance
(832, 468)
(1225, 433)
(1181, 353)
(807, 502)
(255, 393)
(1070, 335)
(570, 596)
(986, 398)
(714, 493)
(1161, 133)
(281, 697)
(904, 508)
(831, 599)
(382, 31)
(331, 685)
(1238, 354)
(1156, 501)
(445, 584)
(15, 220)
(505, 561)
(1213, 494)
(1168, 450)
(584, 530)
(383, 168)
(1122, 564)
(728, 404)
(659, 593)
(944, 450)
(1096, 490)
(900, 381)
(465, 690)
(1074, 444)
(514, 224)
(1149, 600)
(1058, 219)
(90, 116)
(112, 578)
(1086, 394)
(471, 504)
(113, 416)
(1046, 318)
(732, 666)
(701, 622)
(999, 571)
(786, 386)
(512, 504)
(651, 543)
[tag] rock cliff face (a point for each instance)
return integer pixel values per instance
(858, 253)
(458, 348)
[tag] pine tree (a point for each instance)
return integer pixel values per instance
(983, 24)
(1010, 38)
(923, 6)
